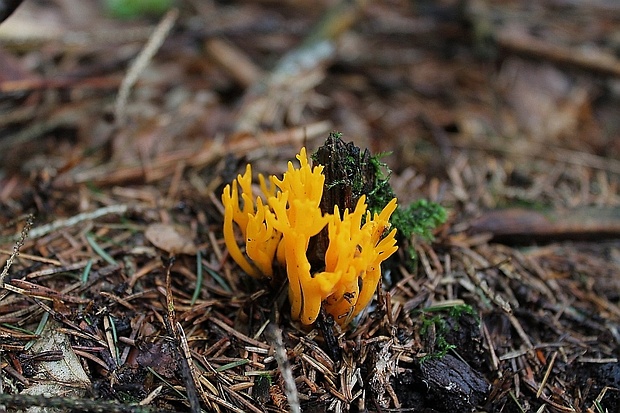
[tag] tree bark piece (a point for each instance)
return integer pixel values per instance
(518, 224)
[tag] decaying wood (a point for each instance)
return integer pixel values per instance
(522, 225)
(529, 46)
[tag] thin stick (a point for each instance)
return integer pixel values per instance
(69, 222)
(237, 334)
(33, 257)
(180, 340)
(150, 48)
(285, 368)
(547, 373)
(25, 401)
(20, 242)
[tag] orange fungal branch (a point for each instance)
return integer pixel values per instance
(278, 225)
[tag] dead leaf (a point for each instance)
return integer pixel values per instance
(65, 377)
(171, 238)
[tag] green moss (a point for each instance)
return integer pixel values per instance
(419, 218)
(381, 192)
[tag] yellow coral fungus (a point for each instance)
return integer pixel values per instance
(278, 227)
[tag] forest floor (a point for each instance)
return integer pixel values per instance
(118, 135)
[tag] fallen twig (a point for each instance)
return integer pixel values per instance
(150, 48)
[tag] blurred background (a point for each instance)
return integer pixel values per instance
(510, 101)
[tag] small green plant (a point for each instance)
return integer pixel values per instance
(442, 327)
(441, 345)
(128, 9)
